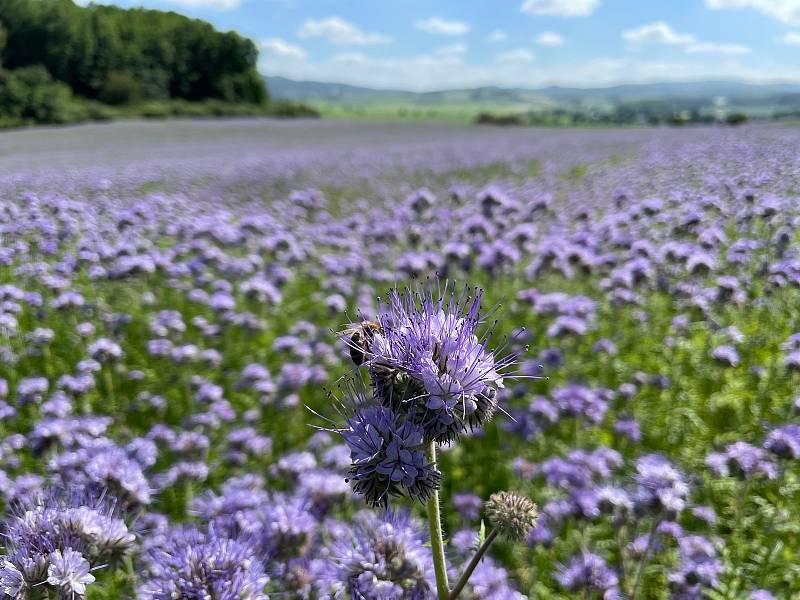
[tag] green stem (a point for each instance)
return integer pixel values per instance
(109, 381)
(646, 557)
(128, 562)
(462, 581)
(437, 543)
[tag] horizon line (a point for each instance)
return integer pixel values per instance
(545, 85)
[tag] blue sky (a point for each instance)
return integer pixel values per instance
(424, 45)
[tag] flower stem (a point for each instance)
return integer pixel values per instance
(437, 543)
(462, 581)
(651, 539)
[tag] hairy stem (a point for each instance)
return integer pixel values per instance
(437, 543)
(462, 581)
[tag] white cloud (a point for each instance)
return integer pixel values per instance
(660, 32)
(215, 4)
(338, 31)
(787, 11)
(498, 35)
(560, 8)
(549, 38)
(519, 55)
(714, 48)
(437, 72)
(657, 32)
(439, 26)
(790, 38)
(212, 4)
(451, 49)
(282, 49)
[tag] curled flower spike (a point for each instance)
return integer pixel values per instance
(511, 513)
(387, 451)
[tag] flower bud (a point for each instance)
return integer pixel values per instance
(514, 515)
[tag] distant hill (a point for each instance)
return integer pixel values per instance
(315, 91)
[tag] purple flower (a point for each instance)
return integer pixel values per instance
(43, 530)
(434, 341)
(12, 582)
(384, 557)
(193, 563)
(489, 581)
(699, 566)
(387, 456)
(567, 325)
(105, 351)
(287, 527)
(792, 360)
(581, 401)
(629, 428)
(31, 389)
(742, 460)
(69, 571)
(468, 505)
(705, 514)
(660, 486)
(588, 572)
(726, 355)
(784, 441)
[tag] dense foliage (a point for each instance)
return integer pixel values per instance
(63, 63)
(120, 56)
(167, 320)
(638, 113)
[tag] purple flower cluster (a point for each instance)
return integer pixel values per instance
(433, 379)
(57, 538)
(384, 557)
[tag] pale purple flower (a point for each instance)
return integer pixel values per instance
(70, 572)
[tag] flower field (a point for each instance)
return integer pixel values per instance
(187, 410)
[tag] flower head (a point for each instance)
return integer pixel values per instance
(384, 557)
(431, 346)
(784, 442)
(513, 514)
(742, 460)
(192, 563)
(12, 582)
(387, 455)
(587, 572)
(70, 572)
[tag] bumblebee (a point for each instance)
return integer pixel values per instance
(361, 335)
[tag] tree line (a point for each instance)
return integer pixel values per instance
(58, 53)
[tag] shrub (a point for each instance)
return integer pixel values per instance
(486, 118)
(288, 109)
(30, 94)
(121, 88)
(736, 118)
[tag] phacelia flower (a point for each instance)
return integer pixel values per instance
(204, 564)
(69, 571)
(742, 460)
(387, 456)
(784, 441)
(432, 346)
(587, 572)
(385, 557)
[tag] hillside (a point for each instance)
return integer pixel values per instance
(310, 91)
(630, 103)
